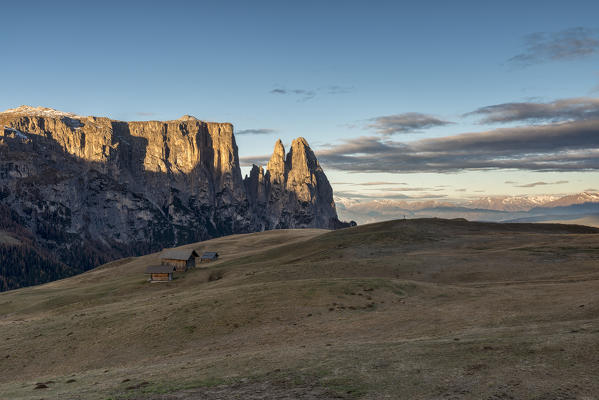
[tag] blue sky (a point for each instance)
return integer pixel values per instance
(322, 70)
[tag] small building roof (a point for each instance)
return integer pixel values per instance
(211, 255)
(178, 254)
(159, 269)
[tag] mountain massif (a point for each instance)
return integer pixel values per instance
(78, 191)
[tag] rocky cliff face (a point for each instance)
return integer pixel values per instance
(294, 192)
(88, 189)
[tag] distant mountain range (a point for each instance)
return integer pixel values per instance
(581, 208)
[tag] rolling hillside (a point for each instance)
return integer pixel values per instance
(414, 309)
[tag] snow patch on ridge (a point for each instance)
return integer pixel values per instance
(40, 112)
(17, 132)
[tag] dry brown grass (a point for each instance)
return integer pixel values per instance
(416, 309)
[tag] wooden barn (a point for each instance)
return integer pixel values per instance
(160, 273)
(209, 256)
(180, 259)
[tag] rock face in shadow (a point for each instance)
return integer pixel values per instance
(85, 190)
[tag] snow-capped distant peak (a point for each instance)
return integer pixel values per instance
(345, 201)
(511, 203)
(40, 112)
(579, 198)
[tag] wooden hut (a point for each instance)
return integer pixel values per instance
(160, 273)
(180, 259)
(209, 256)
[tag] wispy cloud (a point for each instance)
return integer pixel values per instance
(258, 131)
(308, 94)
(533, 184)
(574, 109)
(338, 89)
(389, 196)
(379, 183)
(565, 146)
(405, 123)
(145, 113)
(375, 183)
(301, 94)
(595, 89)
(573, 43)
(410, 189)
(251, 160)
